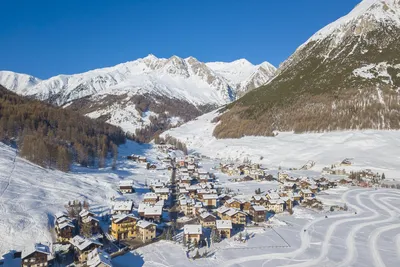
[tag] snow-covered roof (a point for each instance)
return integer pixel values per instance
(66, 224)
(82, 243)
(85, 213)
(97, 257)
(38, 247)
(120, 218)
(259, 208)
(205, 215)
(161, 190)
(125, 183)
(153, 211)
(150, 195)
(224, 224)
(89, 219)
(192, 229)
(222, 209)
(60, 214)
(231, 200)
(210, 196)
(126, 205)
(144, 224)
(273, 195)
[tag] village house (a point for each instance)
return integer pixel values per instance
(156, 184)
(99, 258)
(35, 256)
(210, 201)
(146, 231)
(275, 205)
(288, 203)
(91, 224)
(85, 213)
(150, 212)
(259, 200)
(126, 187)
(122, 207)
(150, 198)
(162, 193)
(233, 203)
(123, 226)
(224, 228)
(272, 195)
(64, 227)
(237, 217)
(204, 191)
(207, 219)
(186, 206)
(305, 193)
(83, 246)
(258, 214)
(192, 232)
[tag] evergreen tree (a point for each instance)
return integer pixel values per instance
(383, 176)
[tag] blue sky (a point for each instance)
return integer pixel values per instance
(46, 38)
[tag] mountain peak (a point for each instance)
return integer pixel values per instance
(150, 57)
(370, 12)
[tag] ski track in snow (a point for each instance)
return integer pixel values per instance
(379, 213)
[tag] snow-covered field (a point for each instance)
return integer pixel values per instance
(371, 149)
(368, 238)
(30, 195)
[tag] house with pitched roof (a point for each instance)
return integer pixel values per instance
(192, 232)
(146, 231)
(83, 246)
(224, 228)
(99, 258)
(258, 213)
(207, 219)
(35, 256)
(123, 226)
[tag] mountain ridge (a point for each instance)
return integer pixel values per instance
(126, 93)
(341, 79)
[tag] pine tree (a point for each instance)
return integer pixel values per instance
(383, 176)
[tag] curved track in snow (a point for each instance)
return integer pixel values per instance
(377, 214)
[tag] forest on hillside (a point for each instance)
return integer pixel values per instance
(54, 137)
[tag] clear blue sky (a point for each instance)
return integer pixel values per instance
(46, 38)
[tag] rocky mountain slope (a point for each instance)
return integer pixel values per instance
(346, 76)
(133, 94)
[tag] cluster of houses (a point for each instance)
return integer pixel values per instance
(255, 171)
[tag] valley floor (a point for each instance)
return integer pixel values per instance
(366, 235)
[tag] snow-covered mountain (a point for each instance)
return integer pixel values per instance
(345, 76)
(116, 93)
(243, 75)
